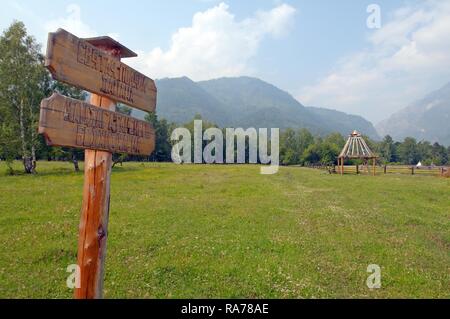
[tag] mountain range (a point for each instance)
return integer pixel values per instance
(426, 119)
(249, 102)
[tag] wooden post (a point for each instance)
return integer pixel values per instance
(93, 231)
(385, 169)
(412, 170)
(373, 166)
(357, 169)
(94, 216)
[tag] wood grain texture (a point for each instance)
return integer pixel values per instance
(77, 62)
(446, 172)
(93, 230)
(69, 122)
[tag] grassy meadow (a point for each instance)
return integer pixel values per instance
(194, 231)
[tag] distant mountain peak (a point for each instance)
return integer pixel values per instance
(246, 101)
(181, 78)
(425, 119)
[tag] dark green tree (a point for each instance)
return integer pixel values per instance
(408, 151)
(439, 155)
(336, 139)
(163, 147)
(119, 158)
(289, 154)
(387, 149)
(68, 153)
(321, 152)
(424, 149)
(293, 144)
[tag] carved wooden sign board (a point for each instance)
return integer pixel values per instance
(88, 64)
(77, 62)
(94, 65)
(69, 122)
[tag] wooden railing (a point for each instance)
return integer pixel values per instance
(388, 169)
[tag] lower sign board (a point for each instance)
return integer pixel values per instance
(73, 123)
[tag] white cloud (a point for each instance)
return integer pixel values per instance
(405, 59)
(72, 23)
(216, 44)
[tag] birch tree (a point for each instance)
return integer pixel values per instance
(23, 83)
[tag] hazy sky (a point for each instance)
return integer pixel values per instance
(322, 52)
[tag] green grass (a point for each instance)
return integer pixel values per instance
(186, 231)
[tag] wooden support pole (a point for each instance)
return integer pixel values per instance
(357, 169)
(94, 216)
(93, 231)
(385, 169)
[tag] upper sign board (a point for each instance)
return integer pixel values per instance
(79, 63)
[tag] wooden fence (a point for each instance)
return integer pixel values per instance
(388, 169)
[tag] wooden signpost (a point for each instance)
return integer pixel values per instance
(94, 65)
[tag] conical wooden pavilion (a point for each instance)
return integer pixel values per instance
(356, 148)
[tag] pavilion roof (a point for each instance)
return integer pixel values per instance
(356, 147)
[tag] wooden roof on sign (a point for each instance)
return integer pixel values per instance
(109, 43)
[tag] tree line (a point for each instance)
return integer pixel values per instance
(300, 147)
(24, 82)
